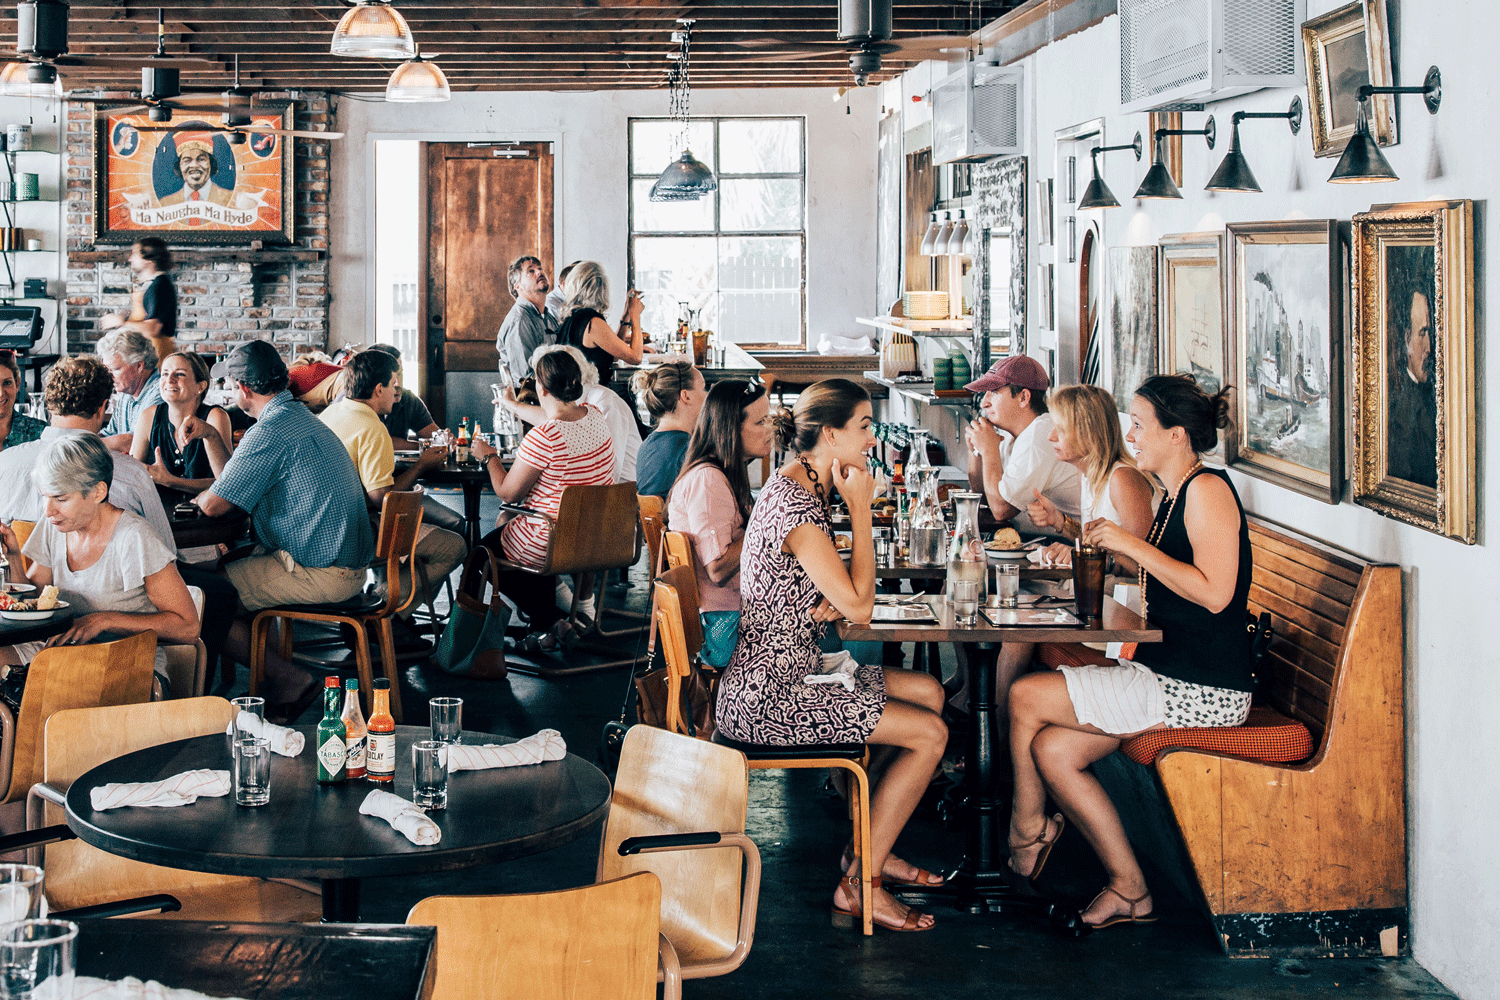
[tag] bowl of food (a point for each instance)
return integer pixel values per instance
(36, 609)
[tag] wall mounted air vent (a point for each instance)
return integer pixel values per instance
(976, 113)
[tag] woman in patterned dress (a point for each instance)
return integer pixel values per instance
(1195, 578)
(792, 583)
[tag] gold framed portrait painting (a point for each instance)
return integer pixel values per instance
(1413, 363)
(1346, 49)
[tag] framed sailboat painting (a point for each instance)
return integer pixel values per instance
(1191, 311)
(1287, 294)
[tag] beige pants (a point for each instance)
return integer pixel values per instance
(267, 579)
(440, 552)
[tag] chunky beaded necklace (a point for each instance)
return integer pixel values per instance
(1153, 537)
(817, 486)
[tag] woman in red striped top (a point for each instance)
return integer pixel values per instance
(572, 446)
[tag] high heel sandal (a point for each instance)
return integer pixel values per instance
(1047, 845)
(852, 916)
(1121, 918)
(924, 880)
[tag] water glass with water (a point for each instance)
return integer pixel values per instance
(38, 960)
(252, 772)
(244, 728)
(964, 594)
(21, 896)
(429, 774)
(1007, 584)
(447, 719)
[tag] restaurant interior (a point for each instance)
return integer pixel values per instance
(901, 195)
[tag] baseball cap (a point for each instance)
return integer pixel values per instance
(1018, 370)
(256, 362)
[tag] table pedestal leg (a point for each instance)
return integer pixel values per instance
(340, 900)
(472, 492)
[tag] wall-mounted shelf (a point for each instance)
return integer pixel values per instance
(919, 327)
(920, 391)
(30, 201)
(226, 255)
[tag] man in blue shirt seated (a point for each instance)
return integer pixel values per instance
(131, 360)
(312, 532)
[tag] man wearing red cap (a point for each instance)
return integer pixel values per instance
(1015, 401)
(196, 166)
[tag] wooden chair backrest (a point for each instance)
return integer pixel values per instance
(595, 529)
(400, 521)
(63, 677)
(1317, 599)
(681, 639)
(680, 552)
(23, 530)
(653, 523)
(595, 941)
(669, 783)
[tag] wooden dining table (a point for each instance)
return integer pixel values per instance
(982, 882)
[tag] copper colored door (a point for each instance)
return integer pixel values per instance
(486, 206)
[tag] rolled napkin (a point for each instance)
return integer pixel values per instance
(178, 790)
(837, 668)
(287, 742)
(545, 745)
(130, 988)
(409, 821)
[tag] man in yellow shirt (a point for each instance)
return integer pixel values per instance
(372, 389)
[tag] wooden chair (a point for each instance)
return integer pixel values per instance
(653, 524)
(400, 517)
(595, 530)
(80, 875)
(62, 677)
(596, 941)
(23, 530)
(675, 597)
(679, 811)
(187, 666)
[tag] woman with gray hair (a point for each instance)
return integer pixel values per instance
(585, 300)
(132, 363)
(116, 575)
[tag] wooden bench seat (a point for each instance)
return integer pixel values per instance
(1293, 858)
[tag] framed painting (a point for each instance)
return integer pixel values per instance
(1346, 49)
(1413, 365)
(183, 179)
(1287, 283)
(1131, 314)
(1190, 309)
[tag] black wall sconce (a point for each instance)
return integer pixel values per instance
(1234, 173)
(1098, 194)
(1363, 162)
(1158, 182)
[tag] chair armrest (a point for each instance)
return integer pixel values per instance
(35, 838)
(669, 969)
(52, 794)
(36, 814)
(668, 842)
(122, 907)
(524, 511)
(7, 748)
(749, 894)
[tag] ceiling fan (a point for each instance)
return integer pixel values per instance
(864, 32)
(42, 41)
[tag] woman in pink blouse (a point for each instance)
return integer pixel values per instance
(710, 502)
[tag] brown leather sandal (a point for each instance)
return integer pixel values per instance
(924, 880)
(853, 916)
(1046, 851)
(1121, 918)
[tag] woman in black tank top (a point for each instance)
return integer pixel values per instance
(585, 300)
(1195, 576)
(184, 443)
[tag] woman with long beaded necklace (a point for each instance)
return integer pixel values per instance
(1195, 578)
(793, 582)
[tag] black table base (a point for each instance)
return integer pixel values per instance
(340, 900)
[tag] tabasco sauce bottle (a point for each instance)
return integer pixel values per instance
(356, 734)
(332, 749)
(380, 758)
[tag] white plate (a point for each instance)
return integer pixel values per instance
(19, 588)
(1017, 555)
(33, 616)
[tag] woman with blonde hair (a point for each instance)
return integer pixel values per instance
(672, 395)
(585, 300)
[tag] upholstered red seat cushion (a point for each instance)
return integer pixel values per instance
(1266, 735)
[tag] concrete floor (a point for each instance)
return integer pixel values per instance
(800, 829)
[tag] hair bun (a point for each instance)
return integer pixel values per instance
(785, 426)
(641, 381)
(1220, 403)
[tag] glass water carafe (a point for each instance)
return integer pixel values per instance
(966, 555)
(929, 532)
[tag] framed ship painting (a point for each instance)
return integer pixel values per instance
(1287, 282)
(185, 181)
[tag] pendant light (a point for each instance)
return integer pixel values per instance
(959, 237)
(929, 237)
(1234, 173)
(1158, 183)
(1363, 162)
(373, 29)
(1098, 194)
(20, 79)
(940, 242)
(417, 81)
(686, 178)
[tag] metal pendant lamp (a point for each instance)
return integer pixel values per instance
(417, 81)
(686, 178)
(373, 29)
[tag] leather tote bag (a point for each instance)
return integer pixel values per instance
(473, 643)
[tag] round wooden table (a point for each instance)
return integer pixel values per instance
(316, 831)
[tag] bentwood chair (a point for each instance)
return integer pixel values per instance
(23, 530)
(400, 517)
(187, 666)
(675, 597)
(596, 941)
(653, 524)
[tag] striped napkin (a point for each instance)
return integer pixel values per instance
(404, 816)
(178, 790)
(129, 988)
(284, 741)
(545, 745)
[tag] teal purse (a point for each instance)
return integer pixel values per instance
(473, 642)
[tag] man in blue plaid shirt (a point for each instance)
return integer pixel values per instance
(294, 477)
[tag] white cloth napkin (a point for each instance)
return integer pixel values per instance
(837, 668)
(178, 790)
(545, 745)
(130, 988)
(409, 821)
(832, 343)
(287, 742)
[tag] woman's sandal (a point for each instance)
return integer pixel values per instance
(924, 880)
(1046, 851)
(1121, 918)
(854, 915)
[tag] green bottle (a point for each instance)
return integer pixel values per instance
(332, 750)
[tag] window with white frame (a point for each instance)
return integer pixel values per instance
(736, 257)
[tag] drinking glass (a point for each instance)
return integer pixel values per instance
(1007, 584)
(38, 960)
(965, 597)
(21, 895)
(429, 774)
(447, 719)
(1088, 580)
(252, 772)
(247, 706)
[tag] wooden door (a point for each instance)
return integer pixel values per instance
(486, 206)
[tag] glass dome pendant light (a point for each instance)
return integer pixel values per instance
(373, 29)
(686, 178)
(417, 81)
(19, 79)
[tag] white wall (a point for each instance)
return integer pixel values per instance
(590, 129)
(1452, 590)
(42, 220)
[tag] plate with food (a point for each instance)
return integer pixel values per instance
(35, 609)
(1006, 544)
(20, 588)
